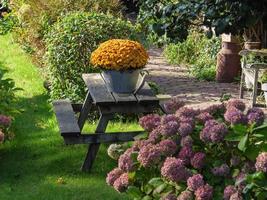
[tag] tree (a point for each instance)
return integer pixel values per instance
(223, 16)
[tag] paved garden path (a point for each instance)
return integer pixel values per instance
(176, 81)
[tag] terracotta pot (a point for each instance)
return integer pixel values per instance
(228, 62)
(252, 45)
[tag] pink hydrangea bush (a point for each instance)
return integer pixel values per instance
(213, 153)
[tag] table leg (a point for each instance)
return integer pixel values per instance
(87, 105)
(255, 88)
(93, 148)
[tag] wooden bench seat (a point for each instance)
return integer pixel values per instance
(67, 121)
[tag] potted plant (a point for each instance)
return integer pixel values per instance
(121, 62)
(264, 85)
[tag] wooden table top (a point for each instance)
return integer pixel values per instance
(101, 94)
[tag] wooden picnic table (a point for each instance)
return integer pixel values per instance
(108, 104)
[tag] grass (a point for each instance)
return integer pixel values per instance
(36, 158)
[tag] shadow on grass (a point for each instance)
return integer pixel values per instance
(38, 149)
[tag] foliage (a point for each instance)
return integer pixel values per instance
(197, 52)
(37, 16)
(7, 94)
(7, 104)
(70, 44)
(7, 23)
(173, 18)
(196, 152)
(38, 143)
(163, 21)
(119, 54)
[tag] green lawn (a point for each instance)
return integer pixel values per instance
(36, 158)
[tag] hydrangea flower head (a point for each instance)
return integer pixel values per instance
(150, 122)
(5, 120)
(155, 135)
(168, 118)
(255, 115)
(113, 176)
(115, 151)
(125, 161)
(229, 191)
(167, 147)
(204, 192)
(186, 195)
(195, 181)
(122, 183)
(149, 155)
(213, 131)
(198, 160)
(186, 112)
(169, 129)
(139, 144)
(185, 154)
(185, 129)
(236, 103)
(203, 117)
(235, 116)
(173, 105)
(187, 141)
(173, 169)
(261, 162)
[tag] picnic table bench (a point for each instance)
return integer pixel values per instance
(72, 117)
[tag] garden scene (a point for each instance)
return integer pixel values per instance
(133, 100)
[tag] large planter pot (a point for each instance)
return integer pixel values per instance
(126, 81)
(228, 62)
(264, 89)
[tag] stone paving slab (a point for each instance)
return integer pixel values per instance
(176, 81)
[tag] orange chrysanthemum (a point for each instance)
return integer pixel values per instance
(119, 54)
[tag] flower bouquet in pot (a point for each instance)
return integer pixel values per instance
(121, 62)
(216, 153)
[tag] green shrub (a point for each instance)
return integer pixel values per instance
(70, 44)
(197, 52)
(37, 16)
(7, 94)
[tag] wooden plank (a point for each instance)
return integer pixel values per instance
(122, 98)
(66, 118)
(94, 147)
(146, 95)
(126, 109)
(98, 89)
(102, 138)
(87, 105)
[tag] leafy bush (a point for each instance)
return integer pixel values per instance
(197, 52)
(197, 154)
(37, 16)
(70, 44)
(7, 104)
